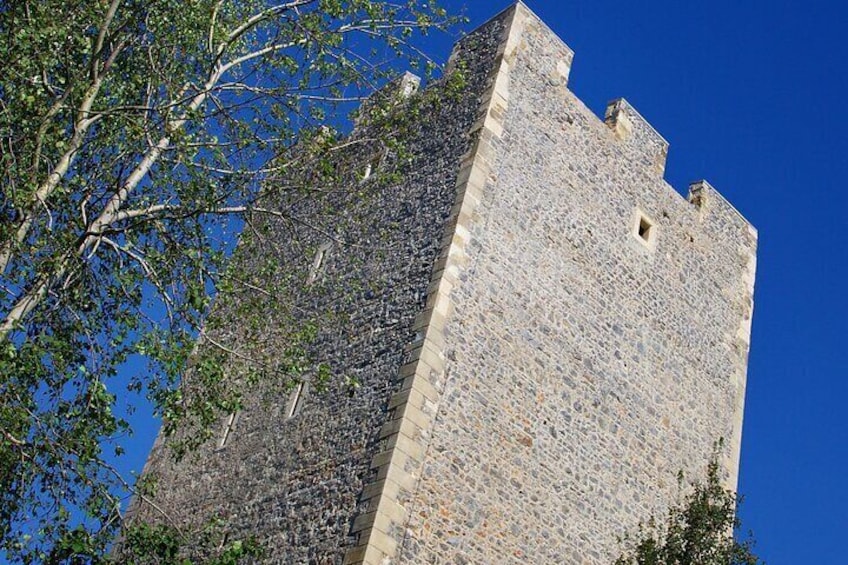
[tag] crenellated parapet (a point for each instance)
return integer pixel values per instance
(714, 207)
(641, 140)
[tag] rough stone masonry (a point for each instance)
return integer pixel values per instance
(544, 331)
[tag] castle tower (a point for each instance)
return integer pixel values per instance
(543, 331)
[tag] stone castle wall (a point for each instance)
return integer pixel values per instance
(534, 372)
(584, 365)
(297, 483)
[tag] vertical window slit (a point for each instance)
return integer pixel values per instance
(228, 429)
(317, 264)
(296, 400)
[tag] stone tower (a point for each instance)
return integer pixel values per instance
(545, 334)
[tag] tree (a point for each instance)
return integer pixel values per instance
(700, 531)
(136, 138)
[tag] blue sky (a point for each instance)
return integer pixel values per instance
(751, 96)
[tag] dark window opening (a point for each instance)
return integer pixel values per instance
(645, 229)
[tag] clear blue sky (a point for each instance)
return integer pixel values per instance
(751, 96)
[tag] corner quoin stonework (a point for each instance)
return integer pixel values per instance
(415, 406)
(540, 368)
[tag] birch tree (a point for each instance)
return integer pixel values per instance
(136, 138)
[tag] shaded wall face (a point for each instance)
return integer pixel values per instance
(586, 368)
(295, 483)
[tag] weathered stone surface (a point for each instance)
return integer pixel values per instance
(298, 483)
(535, 373)
(587, 367)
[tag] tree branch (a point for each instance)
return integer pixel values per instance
(101, 36)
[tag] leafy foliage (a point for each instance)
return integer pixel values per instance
(137, 138)
(697, 532)
(145, 544)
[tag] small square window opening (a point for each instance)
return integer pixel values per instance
(645, 229)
